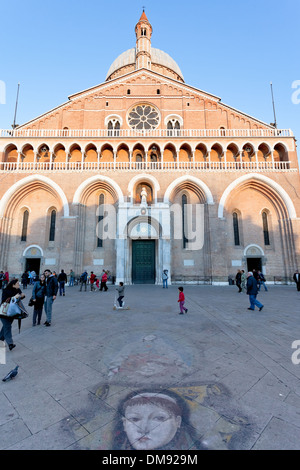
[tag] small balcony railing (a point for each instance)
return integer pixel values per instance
(30, 167)
(156, 133)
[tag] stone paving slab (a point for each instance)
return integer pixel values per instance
(228, 369)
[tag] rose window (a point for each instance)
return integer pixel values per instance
(143, 117)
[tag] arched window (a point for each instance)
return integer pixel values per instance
(100, 218)
(113, 127)
(52, 226)
(184, 221)
(173, 127)
(24, 226)
(266, 228)
(236, 231)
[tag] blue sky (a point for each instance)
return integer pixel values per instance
(232, 49)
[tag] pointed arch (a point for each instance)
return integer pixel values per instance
(94, 179)
(143, 177)
(29, 180)
(192, 179)
(261, 178)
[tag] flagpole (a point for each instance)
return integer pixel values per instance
(275, 123)
(14, 124)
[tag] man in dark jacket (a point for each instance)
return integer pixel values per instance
(51, 291)
(62, 279)
(296, 278)
(252, 291)
(83, 280)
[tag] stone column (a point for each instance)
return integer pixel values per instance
(79, 237)
(121, 260)
(18, 159)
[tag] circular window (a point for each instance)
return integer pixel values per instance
(143, 117)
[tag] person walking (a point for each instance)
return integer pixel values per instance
(104, 281)
(1, 278)
(72, 278)
(38, 298)
(262, 281)
(238, 280)
(51, 292)
(24, 280)
(5, 280)
(296, 278)
(181, 301)
(62, 279)
(92, 281)
(83, 280)
(121, 292)
(12, 290)
(165, 278)
(33, 276)
(252, 291)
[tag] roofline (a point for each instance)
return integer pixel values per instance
(144, 70)
(43, 114)
(88, 90)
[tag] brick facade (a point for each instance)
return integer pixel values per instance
(184, 143)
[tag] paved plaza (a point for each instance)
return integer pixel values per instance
(231, 369)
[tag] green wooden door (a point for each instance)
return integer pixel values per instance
(143, 261)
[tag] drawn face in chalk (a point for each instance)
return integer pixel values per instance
(149, 426)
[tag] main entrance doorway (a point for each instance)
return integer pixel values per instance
(254, 263)
(33, 264)
(143, 261)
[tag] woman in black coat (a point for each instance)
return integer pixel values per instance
(38, 297)
(12, 290)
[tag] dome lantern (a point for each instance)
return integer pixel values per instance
(143, 31)
(144, 56)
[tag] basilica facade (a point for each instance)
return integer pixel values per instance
(144, 173)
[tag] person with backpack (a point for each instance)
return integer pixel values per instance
(165, 278)
(261, 281)
(83, 280)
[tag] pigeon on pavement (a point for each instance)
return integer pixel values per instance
(11, 374)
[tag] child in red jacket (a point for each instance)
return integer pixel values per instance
(181, 301)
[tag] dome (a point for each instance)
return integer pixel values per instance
(157, 57)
